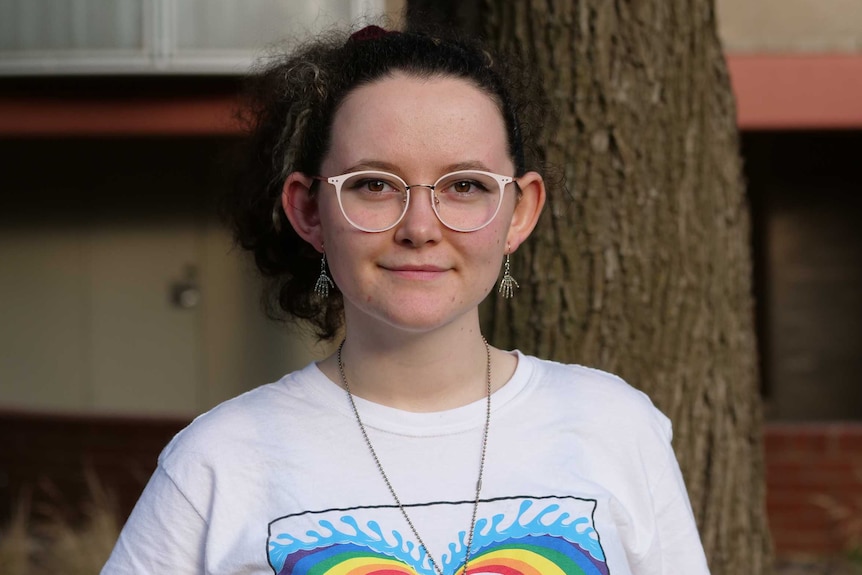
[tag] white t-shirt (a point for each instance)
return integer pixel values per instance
(579, 478)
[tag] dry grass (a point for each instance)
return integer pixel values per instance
(46, 541)
(16, 544)
(846, 518)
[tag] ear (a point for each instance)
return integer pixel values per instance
(527, 210)
(300, 207)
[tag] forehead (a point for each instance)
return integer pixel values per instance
(409, 121)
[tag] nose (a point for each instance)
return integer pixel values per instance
(420, 224)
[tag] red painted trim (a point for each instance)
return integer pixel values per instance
(811, 91)
(58, 117)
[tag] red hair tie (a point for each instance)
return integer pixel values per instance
(370, 33)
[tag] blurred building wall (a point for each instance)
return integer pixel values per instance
(790, 26)
(122, 292)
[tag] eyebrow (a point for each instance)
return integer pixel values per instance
(389, 167)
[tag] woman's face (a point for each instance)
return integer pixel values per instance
(419, 275)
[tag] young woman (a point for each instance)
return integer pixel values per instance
(391, 178)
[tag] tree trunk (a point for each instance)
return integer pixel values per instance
(643, 267)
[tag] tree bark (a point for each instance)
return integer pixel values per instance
(643, 267)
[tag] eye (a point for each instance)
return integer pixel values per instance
(464, 187)
(375, 185)
(372, 186)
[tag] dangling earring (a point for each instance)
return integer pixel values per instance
(508, 283)
(324, 282)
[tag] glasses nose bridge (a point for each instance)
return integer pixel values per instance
(432, 188)
(432, 197)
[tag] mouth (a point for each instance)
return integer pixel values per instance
(416, 271)
(414, 268)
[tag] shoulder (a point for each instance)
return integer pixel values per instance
(580, 380)
(237, 426)
(596, 397)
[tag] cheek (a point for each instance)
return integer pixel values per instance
(336, 231)
(330, 212)
(492, 244)
(350, 254)
(488, 251)
(496, 241)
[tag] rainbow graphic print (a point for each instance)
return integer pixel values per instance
(513, 536)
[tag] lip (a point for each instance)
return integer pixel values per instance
(415, 268)
(416, 271)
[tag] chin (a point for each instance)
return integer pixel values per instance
(413, 313)
(421, 319)
(421, 324)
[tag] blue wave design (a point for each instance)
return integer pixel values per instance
(371, 537)
(578, 530)
(488, 534)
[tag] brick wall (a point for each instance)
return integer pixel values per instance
(810, 467)
(45, 457)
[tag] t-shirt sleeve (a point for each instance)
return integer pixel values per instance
(631, 456)
(164, 533)
(677, 541)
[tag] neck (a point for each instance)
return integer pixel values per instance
(418, 372)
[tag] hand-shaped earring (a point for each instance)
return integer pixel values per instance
(508, 283)
(324, 282)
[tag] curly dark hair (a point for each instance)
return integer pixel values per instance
(288, 110)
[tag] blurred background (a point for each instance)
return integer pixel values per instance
(125, 310)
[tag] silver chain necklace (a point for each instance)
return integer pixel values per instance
(434, 563)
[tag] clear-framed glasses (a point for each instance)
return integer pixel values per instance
(464, 201)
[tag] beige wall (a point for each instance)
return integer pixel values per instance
(394, 10)
(89, 251)
(790, 26)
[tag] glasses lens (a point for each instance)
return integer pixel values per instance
(467, 200)
(372, 201)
